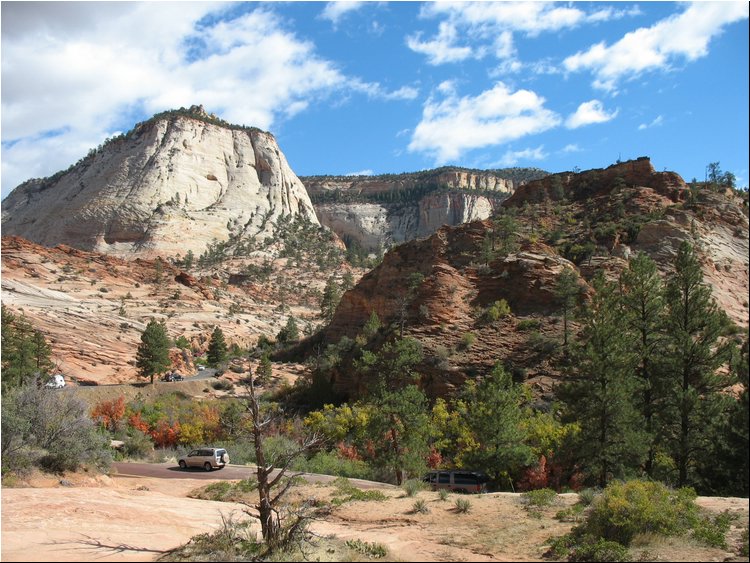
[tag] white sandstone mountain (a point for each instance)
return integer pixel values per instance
(174, 183)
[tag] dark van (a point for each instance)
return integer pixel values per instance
(457, 480)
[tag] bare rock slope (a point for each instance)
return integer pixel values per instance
(174, 183)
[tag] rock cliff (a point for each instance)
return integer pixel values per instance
(174, 183)
(380, 211)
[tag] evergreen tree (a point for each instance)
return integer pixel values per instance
(290, 332)
(152, 356)
(330, 299)
(693, 355)
(567, 291)
(400, 429)
(217, 348)
(493, 416)
(600, 397)
(265, 369)
(25, 352)
(642, 296)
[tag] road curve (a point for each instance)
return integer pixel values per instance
(230, 472)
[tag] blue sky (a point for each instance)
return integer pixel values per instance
(386, 87)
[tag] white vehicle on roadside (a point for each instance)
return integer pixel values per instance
(56, 382)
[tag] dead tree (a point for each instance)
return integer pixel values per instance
(276, 531)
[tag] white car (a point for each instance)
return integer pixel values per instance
(201, 368)
(57, 381)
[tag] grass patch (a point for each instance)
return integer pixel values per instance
(372, 550)
(420, 507)
(346, 492)
(225, 491)
(462, 506)
(413, 486)
(539, 497)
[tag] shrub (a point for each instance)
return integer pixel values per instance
(713, 532)
(222, 385)
(347, 492)
(600, 550)
(539, 497)
(412, 487)
(443, 494)
(330, 463)
(420, 506)
(497, 310)
(370, 549)
(138, 445)
(627, 509)
(462, 505)
(587, 496)
(528, 324)
(467, 340)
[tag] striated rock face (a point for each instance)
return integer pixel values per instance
(377, 225)
(175, 183)
(380, 211)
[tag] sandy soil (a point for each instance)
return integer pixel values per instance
(137, 519)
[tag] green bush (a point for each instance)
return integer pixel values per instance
(346, 492)
(371, 549)
(528, 324)
(496, 311)
(138, 445)
(467, 340)
(462, 505)
(443, 494)
(413, 486)
(599, 550)
(329, 463)
(713, 532)
(539, 497)
(420, 506)
(636, 507)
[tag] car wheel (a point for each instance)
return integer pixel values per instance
(183, 465)
(207, 466)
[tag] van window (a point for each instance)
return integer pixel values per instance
(444, 478)
(464, 479)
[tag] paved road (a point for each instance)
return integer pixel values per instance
(230, 472)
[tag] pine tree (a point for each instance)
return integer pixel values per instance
(25, 352)
(330, 299)
(152, 356)
(693, 355)
(493, 416)
(600, 397)
(400, 431)
(290, 332)
(217, 348)
(642, 296)
(567, 291)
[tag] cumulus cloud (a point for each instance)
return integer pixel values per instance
(452, 125)
(684, 36)
(589, 112)
(73, 74)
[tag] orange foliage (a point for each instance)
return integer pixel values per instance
(138, 423)
(165, 435)
(109, 413)
(348, 451)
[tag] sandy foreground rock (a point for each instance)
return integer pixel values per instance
(137, 519)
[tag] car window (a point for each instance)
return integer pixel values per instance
(193, 453)
(444, 478)
(464, 479)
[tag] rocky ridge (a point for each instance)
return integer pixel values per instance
(589, 221)
(173, 184)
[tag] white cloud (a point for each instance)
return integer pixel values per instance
(80, 72)
(589, 112)
(442, 49)
(658, 120)
(452, 125)
(682, 36)
(366, 172)
(571, 148)
(511, 158)
(334, 11)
